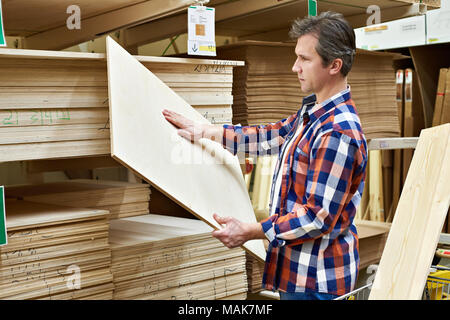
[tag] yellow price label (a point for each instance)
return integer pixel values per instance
(208, 48)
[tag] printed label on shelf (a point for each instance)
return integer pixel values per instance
(201, 31)
(3, 234)
(312, 8)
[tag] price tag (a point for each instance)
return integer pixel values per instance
(2, 32)
(201, 31)
(3, 235)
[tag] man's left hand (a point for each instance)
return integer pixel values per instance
(235, 233)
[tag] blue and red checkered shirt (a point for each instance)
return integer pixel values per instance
(313, 241)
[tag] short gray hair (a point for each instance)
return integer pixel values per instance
(336, 37)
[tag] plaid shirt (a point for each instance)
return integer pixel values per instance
(313, 241)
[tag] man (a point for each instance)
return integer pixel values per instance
(319, 178)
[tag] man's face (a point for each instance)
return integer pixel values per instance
(308, 66)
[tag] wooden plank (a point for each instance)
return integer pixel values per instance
(157, 159)
(121, 199)
(400, 82)
(387, 165)
(392, 143)
(32, 214)
(440, 94)
(396, 184)
(52, 150)
(408, 121)
(39, 134)
(417, 224)
(376, 186)
(445, 117)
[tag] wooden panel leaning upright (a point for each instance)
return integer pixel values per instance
(418, 221)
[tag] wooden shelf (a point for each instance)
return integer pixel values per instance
(43, 24)
(268, 20)
(392, 143)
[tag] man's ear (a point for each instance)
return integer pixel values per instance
(336, 66)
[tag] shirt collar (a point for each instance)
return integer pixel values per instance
(314, 110)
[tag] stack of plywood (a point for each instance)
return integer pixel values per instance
(255, 271)
(52, 105)
(55, 252)
(266, 90)
(162, 257)
(373, 87)
(204, 84)
(122, 199)
(55, 104)
(372, 237)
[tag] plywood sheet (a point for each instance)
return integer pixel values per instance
(418, 221)
(22, 214)
(202, 177)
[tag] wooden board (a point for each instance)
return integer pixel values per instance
(445, 117)
(376, 206)
(145, 142)
(119, 198)
(418, 221)
(440, 95)
(37, 214)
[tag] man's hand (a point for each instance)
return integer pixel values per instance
(191, 130)
(236, 233)
(187, 128)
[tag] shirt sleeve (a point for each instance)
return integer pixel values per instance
(335, 171)
(257, 140)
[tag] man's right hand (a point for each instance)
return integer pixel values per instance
(191, 130)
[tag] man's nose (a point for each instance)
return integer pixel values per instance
(296, 67)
